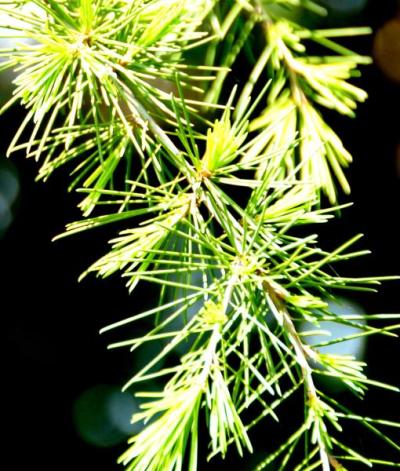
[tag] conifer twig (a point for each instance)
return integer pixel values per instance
(206, 182)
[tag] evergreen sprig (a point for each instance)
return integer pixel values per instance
(214, 186)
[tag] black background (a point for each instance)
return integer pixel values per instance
(52, 350)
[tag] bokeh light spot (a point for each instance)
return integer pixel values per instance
(5, 214)
(9, 184)
(102, 415)
(345, 6)
(386, 49)
(354, 347)
(9, 189)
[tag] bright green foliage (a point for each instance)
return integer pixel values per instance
(91, 68)
(135, 99)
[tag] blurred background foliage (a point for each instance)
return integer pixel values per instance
(63, 408)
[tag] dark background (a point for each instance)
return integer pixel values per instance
(52, 352)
